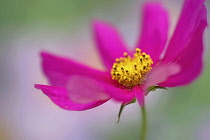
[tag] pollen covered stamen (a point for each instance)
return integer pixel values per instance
(130, 71)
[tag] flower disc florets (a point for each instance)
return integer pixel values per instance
(131, 71)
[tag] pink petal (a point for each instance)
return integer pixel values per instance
(139, 93)
(161, 73)
(154, 30)
(84, 89)
(59, 70)
(60, 97)
(190, 56)
(109, 43)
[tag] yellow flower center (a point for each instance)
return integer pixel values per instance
(131, 71)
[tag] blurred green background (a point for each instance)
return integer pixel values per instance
(64, 27)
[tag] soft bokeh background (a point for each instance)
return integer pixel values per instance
(63, 27)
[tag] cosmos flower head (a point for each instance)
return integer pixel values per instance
(130, 74)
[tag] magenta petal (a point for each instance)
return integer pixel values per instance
(58, 69)
(190, 56)
(139, 93)
(190, 61)
(154, 30)
(121, 95)
(109, 43)
(60, 97)
(192, 19)
(83, 89)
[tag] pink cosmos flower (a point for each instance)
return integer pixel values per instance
(130, 74)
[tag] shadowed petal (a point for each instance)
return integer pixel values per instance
(59, 69)
(154, 30)
(190, 56)
(109, 43)
(59, 96)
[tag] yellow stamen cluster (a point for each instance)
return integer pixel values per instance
(130, 71)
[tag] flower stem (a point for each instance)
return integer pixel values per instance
(144, 124)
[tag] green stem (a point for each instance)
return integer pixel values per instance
(144, 124)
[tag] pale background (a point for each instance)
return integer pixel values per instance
(63, 27)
